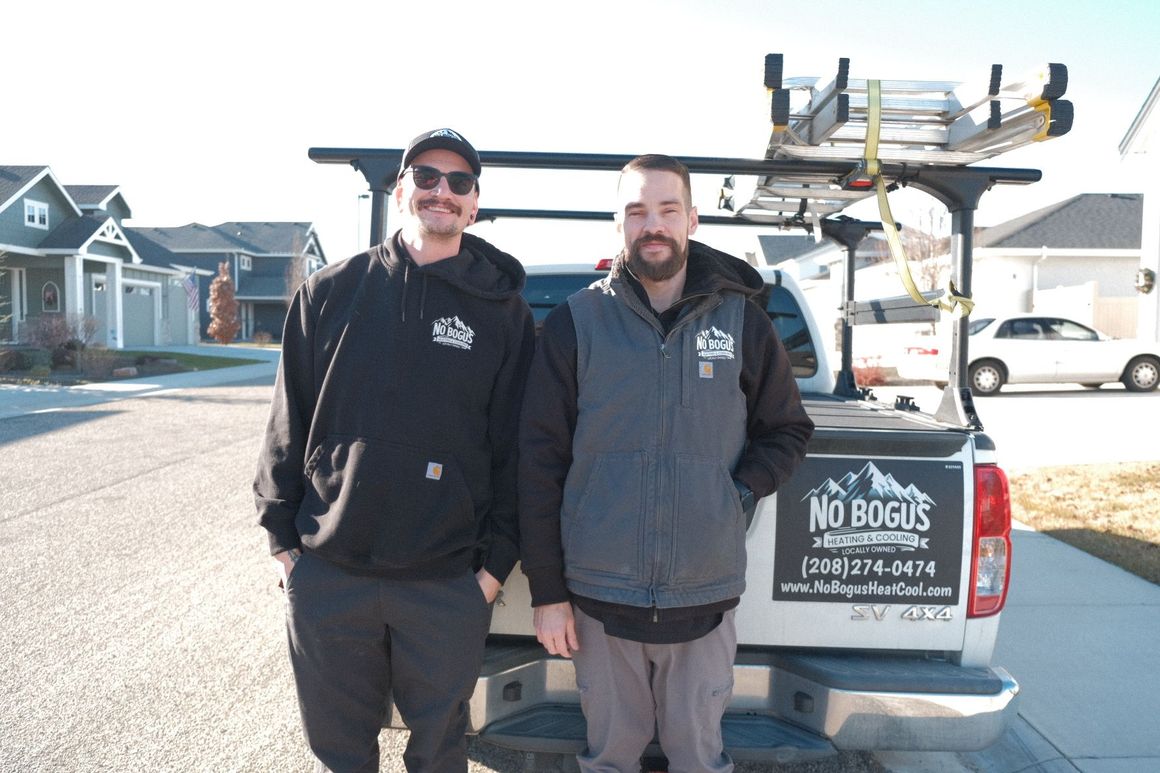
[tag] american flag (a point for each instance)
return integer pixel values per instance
(190, 285)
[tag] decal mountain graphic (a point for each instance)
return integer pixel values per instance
(869, 483)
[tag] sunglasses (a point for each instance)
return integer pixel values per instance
(427, 177)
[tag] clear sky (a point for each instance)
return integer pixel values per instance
(204, 112)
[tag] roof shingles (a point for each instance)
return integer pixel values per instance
(1092, 221)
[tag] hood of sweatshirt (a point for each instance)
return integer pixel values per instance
(480, 268)
(708, 271)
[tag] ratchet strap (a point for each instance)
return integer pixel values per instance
(952, 301)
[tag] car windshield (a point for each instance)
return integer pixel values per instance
(979, 324)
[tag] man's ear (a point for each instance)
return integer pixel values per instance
(693, 222)
(399, 196)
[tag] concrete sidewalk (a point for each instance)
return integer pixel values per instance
(19, 399)
(1082, 638)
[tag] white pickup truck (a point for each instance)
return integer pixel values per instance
(877, 575)
(874, 586)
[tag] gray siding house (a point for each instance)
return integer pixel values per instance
(1077, 258)
(267, 261)
(65, 254)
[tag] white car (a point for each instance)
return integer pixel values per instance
(1038, 349)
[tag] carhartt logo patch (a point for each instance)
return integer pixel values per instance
(452, 331)
(714, 344)
(446, 133)
(706, 370)
(434, 470)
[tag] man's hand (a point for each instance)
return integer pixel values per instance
(556, 628)
(488, 584)
(284, 563)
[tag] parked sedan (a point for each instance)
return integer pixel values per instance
(1039, 349)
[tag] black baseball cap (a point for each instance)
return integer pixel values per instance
(445, 139)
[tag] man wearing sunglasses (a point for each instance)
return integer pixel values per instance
(661, 406)
(386, 479)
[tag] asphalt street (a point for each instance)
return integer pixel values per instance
(142, 629)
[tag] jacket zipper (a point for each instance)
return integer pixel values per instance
(637, 306)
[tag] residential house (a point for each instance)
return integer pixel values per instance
(65, 254)
(1076, 258)
(1140, 149)
(266, 261)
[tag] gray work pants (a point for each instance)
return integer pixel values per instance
(354, 638)
(630, 690)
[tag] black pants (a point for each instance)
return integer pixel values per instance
(353, 638)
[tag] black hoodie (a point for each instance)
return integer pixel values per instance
(391, 442)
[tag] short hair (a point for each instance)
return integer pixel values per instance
(662, 163)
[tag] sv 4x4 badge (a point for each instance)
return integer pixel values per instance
(878, 612)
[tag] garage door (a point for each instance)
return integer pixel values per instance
(138, 316)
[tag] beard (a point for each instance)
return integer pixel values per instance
(657, 271)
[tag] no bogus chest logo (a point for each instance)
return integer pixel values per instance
(867, 512)
(714, 344)
(452, 331)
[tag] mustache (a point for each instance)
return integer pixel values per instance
(653, 238)
(433, 201)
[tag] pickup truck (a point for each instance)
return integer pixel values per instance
(877, 575)
(875, 582)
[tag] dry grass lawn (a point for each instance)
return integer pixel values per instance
(1111, 511)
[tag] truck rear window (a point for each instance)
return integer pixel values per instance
(790, 324)
(544, 292)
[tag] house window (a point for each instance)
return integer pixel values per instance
(35, 214)
(245, 263)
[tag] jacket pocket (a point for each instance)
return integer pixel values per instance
(709, 538)
(602, 532)
(385, 504)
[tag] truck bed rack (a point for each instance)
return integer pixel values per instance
(817, 162)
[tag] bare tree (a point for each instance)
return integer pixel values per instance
(223, 307)
(927, 248)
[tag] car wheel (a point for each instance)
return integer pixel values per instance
(986, 377)
(1092, 385)
(1142, 374)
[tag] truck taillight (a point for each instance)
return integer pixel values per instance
(991, 554)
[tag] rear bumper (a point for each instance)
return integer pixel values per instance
(787, 706)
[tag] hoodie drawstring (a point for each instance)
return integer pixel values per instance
(406, 276)
(422, 294)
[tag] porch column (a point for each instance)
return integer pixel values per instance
(116, 305)
(73, 303)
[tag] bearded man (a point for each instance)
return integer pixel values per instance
(660, 407)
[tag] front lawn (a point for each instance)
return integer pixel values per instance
(28, 365)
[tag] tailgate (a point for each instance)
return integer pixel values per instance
(867, 545)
